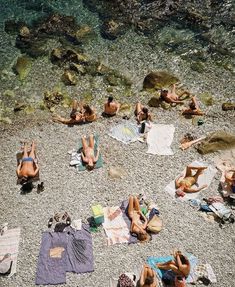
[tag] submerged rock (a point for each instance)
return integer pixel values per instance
(158, 80)
(19, 106)
(111, 29)
(228, 106)
(155, 102)
(54, 98)
(207, 99)
(12, 26)
(23, 66)
(61, 56)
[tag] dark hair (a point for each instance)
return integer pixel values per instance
(162, 92)
(110, 99)
(145, 110)
(149, 280)
(88, 109)
(183, 259)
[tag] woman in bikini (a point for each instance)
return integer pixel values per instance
(88, 152)
(142, 113)
(185, 183)
(180, 265)
(27, 167)
(89, 114)
(138, 220)
(148, 277)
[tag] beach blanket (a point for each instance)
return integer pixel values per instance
(125, 132)
(205, 178)
(152, 261)
(82, 166)
(159, 139)
(115, 226)
(9, 244)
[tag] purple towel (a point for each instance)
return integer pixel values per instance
(52, 265)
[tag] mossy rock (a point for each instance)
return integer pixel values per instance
(23, 66)
(207, 99)
(87, 97)
(29, 110)
(155, 102)
(69, 78)
(8, 93)
(159, 80)
(198, 67)
(109, 90)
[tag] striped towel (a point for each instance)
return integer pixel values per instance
(9, 243)
(115, 226)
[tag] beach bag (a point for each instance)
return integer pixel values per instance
(155, 224)
(220, 210)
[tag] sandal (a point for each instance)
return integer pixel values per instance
(50, 221)
(68, 220)
(57, 217)
(65, 215)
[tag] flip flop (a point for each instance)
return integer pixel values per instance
(65, 215)
(68, 220)
(50, 221)
(57, 217)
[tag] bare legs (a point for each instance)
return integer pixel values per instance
(198, 171)
(133, 205)
(32, 152)
(25, 153)
(138, 108)
(91, 142)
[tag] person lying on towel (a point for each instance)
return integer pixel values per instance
(28, 167)
(230, 179)
(142, 113)
(111, 108)
(138, 220)
(180, 265)
(148, 277)
(85, 114)
(193, 108)
(184, 183)
(88, 152)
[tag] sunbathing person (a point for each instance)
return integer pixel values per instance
(111, 108)
(193, 108)
(180, 265)
(75, 116)
(27, 167)
(88, 152)
(142, 113)
(148, 277)
(138, 220)
(230, 179)
(89, 114)
(171, 97)
(185, 183)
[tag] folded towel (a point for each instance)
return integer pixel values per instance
(125, 132)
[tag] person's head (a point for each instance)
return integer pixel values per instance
(192, 105)
(24, 179)
(143, 236)
(90, 164)
(110, 99)
(149, 280)
(180, 191)
(73, 115)
(88, 109)
(145, 110)
(183, 259)
(164, 92)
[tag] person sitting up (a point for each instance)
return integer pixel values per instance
(230, 179)
(193, 108)
(88, 152)
(89, 114)
(85, 114)
(171, 97)
(138, 220)
(111, 108)
(27, 168)
(180, 265)
(142, 113)
(185, 183)
(148, 277)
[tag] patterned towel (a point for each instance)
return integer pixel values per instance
(9, 243)
(125, 132)
(115, 226)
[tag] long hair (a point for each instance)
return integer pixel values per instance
(88, 109)
(110, 99)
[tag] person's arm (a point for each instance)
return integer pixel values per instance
(192, 190)
(118, 107)
(142, 277)
(18, 168)
(155, 283)
(195, 102)
(36, 170)
(59, 119)
(84, 159)
(97, 155)
(150, 118)
(178, 261)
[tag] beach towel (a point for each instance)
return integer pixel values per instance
(159, 139)
(152, 261)
(205, 178)
(9, 244)
(125, 132)
(82, 166)
(115, 226)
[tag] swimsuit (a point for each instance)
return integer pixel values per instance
(27, 159)
(187, 181)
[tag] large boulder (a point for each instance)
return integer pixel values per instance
(23, 66)
(159, 80)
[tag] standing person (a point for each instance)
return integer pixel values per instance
(27, 167)
(111, 108)
(148, 277)
(88, 152)
(142, 113)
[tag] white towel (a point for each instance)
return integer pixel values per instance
(9, 243)
(159, 139)
(205, 178)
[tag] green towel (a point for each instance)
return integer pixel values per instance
(99, 162)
